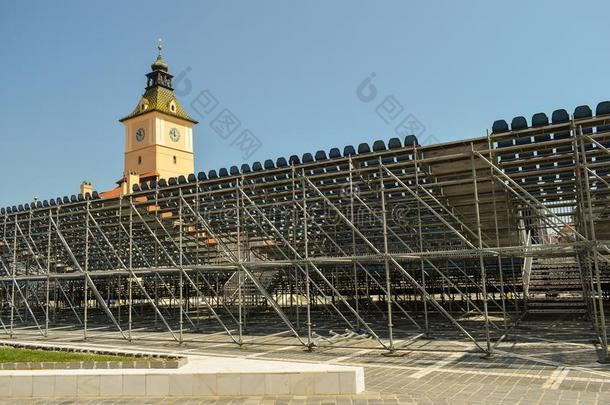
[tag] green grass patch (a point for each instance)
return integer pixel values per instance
(17, 355)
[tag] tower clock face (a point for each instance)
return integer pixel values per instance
(174, 134)
(140, 134)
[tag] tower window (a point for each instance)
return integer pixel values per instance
(139, 160)
(173, 107)
(175, 160)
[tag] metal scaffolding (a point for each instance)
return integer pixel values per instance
(388, 245)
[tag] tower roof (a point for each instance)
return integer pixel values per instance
(159, 94)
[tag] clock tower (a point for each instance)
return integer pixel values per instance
(158, 132)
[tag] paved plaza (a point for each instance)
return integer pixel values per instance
(557, 364)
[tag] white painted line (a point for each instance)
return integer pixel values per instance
(560, 379)
(437, 366)
(63, 327)
(252, 356)
(349, 356)
(552, 377)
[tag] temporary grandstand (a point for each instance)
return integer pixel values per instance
(382, 244)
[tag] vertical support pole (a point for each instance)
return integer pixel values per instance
(119, 299)
(307, 276)
(86, 271)
(180, 247)
(14, 272)
(512, 266)
(583, 228)
(388, 280)
(595, 253)
(351, 218)
(420, 237)
(130, 276)
(48, 286)
(295, 247)
(240, 276)
(500, 269)
(481, 260)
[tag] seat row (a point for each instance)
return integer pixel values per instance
(53, 202)
(319, 156)
(269, 164)
(559, 116)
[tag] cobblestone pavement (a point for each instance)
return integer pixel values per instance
(556, 364)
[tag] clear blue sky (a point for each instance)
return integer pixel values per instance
(288, 70)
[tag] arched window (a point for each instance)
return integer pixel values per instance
(175, 160)
(139, 160)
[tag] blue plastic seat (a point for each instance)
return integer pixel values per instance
(281, 162)
(560, 116)
(269, 165)
(172, 181)
(541, 151)
(499, 126)
(73, 198)
(181, 179)
(603, 108)
(364, 148)
(540, 120)
(212, 174)
(334, 153)
(394, 143)
(524, 141)
(583, 112)
(201, 176)
(378, 146)
(549, 178)
(518, 123)
(307, 158)
(223, 172)
(411, 140)
(349, 151)
(234, 171)
(294, 160)
(257, 166)
(505, 144)
(320, 155)
(192, 178)
(245, 168)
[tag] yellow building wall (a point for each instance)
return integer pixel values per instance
(157, 150)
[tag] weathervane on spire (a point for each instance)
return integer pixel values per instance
(160, 46)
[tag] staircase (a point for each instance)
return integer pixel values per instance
(555, 287)
(250, 293)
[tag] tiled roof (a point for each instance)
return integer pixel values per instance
(158, 98)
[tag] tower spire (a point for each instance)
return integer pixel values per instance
(159, 64)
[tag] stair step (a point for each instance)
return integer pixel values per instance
(557, 311)
(556, 304)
